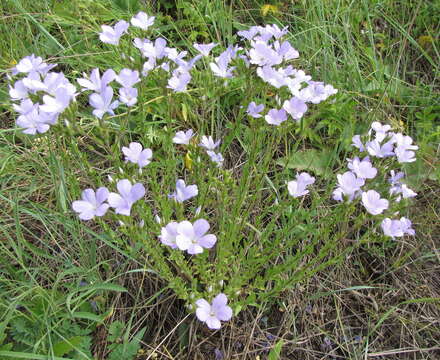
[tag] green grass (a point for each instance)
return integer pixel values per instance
(64, 283)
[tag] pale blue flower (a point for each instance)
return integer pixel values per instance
(298, 187)
(59, 102)
(128, 195)
(111, 35)
(397, 228)
(276, 117)
(184, 192)
(128, 96)
(221, 67)
(380, 130)
(212, 314)
(374, 148)
(349, 185)
(373, 203)
(32, 122)
(192, 238)
(92, 204)
(216, 157)
(102, 102)
(254, 110)
(262, 54)
(183, 137)
(127, 78)
(404, 148)
(30, 64)
(142, 20)
(204, 49)
(135, 154)
(168, 234)
(95, 82)
(179, 81)
(208, 143)
(295, 107)
(363, 169)
(356, 142)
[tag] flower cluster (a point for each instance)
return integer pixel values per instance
(384, 144)
(42, 94)
(270, 53)
(94, 204)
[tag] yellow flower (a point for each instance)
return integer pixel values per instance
(188, 161)
(268, 8)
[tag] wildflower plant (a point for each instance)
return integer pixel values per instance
(221, 236)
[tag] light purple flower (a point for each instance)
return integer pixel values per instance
(19, 91)
(276, 117)
(30, 64)
(395, 178)
(220, 67)
(95, 82)
(373, 203)
(135, 154)
(273, 77)
(402, 189)
(192, 238)
(249, 34)
(397, 228)
(59, 102)
(127, 78)
(381, 130)
(102, 102)
(254, 110)
(204, 49)
(316, 92)
(128, 96)
(295, 107)
(404, 148)
(92, 204)
(262, 54)
(374, 148)
(208, 143)
(148, 66)
(156, 50)
(179, 81)
(25, 106)
(356, 142)
(142, 20)
(212, 314)
(286, 50)
(168, 234)
(298, 187)
(183, 137)
(128, 195)
(349, 185)
(32, 122)
(184, 192)
(363, 169)
(111, 35)
(216, 157)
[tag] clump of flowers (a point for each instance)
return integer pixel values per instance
(362, 181)
(241, 259)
